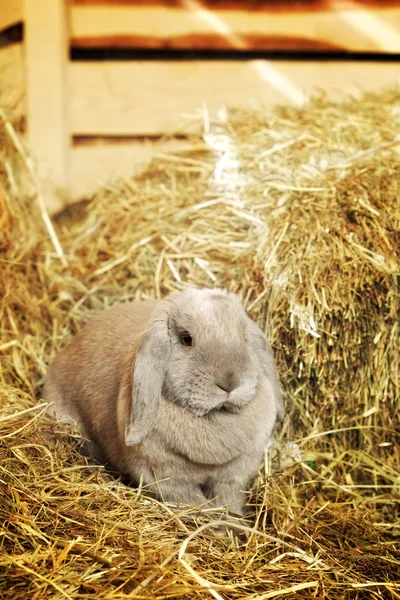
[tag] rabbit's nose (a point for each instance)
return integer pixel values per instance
(228, 382)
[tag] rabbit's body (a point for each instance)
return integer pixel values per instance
(189, 415)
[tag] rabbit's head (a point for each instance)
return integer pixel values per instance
(201, 352)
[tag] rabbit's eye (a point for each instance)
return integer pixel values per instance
(185, 339)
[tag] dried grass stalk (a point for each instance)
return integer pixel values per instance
(298, 211)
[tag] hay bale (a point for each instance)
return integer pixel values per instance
(298, 211)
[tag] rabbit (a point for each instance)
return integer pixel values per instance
(181, 394)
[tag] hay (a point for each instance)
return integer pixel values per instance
(298, 211)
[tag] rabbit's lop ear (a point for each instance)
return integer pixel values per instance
(148, 378)
(263, 350)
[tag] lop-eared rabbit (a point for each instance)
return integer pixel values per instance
(180, 393)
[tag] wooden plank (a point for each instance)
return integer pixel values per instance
(12, 86)
(46, 56)
(247, 5)
(152, 98)
(155, 98)
(347, 25)
(11, 13)
(257, 5)
(100, 161)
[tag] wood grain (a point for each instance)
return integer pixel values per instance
(351, 26)
(155, 98)
(103, 161)
(248, 5)
(207, 42)
(46, 58)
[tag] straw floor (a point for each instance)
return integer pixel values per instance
(296, 210)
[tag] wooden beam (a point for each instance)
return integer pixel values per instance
(46, 56)
(346, 25)
(155, 98)
(249, 5)
(11, 13)
(102, 161)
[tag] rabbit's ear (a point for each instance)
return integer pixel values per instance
(263, 350)
(148, 378)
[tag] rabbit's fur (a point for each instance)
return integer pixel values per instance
(191, 422)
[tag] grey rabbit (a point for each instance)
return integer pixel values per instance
(180, 393)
